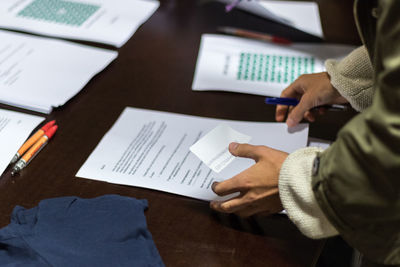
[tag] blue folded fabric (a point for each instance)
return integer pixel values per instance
(109, 230)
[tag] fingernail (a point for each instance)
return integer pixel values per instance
(215, 204)
(290, 122)
(224, 207)
(214, 185)
(233, 146)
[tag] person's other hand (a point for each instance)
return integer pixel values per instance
(312, 90)
(257, 185)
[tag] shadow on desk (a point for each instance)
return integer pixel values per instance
(271, 226)
(334, 252)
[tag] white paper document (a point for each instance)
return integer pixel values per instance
(300, 15)
(15, 128)
(213, 148)
(228, 63)
(105, 21)
(321, 143)
(40, 73)
(150, 149)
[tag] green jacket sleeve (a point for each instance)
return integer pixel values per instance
(358, 181)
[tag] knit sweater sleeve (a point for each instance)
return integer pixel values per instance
(353, 77)
(297, 195)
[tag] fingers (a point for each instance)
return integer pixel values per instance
(245, 151)
(227, 187)
(298, 112)
(243, 180)
(310, 116)
(312, 90)
(321, 111)
(280, 112)
(238, 183)
(245, 206)
(230, 206)
(291, 91)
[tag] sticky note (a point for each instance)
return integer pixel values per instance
(213, 148)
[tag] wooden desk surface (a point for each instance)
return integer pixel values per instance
(154, 70)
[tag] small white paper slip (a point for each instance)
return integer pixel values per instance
(213, 148)
(316, 142)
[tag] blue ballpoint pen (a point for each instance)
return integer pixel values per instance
(287, 101)
(281, 101)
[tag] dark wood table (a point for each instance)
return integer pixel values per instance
(154, 70)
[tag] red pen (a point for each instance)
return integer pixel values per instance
(254, 35)
(32, 140)
(34, 150)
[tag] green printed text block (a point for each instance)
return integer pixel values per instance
(59, 11)
(273, 68)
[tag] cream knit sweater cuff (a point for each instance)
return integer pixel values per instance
(353, 78)
(297, 196)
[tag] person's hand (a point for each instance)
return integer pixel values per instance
(257, 185)
(313, 90)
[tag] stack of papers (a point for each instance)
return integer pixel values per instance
(40, 73)
(228, 63)
(300, 15)
(106, 21)
(15, 128)
(154, 151)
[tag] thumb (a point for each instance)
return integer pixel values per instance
(297, 113)
(244, 150)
